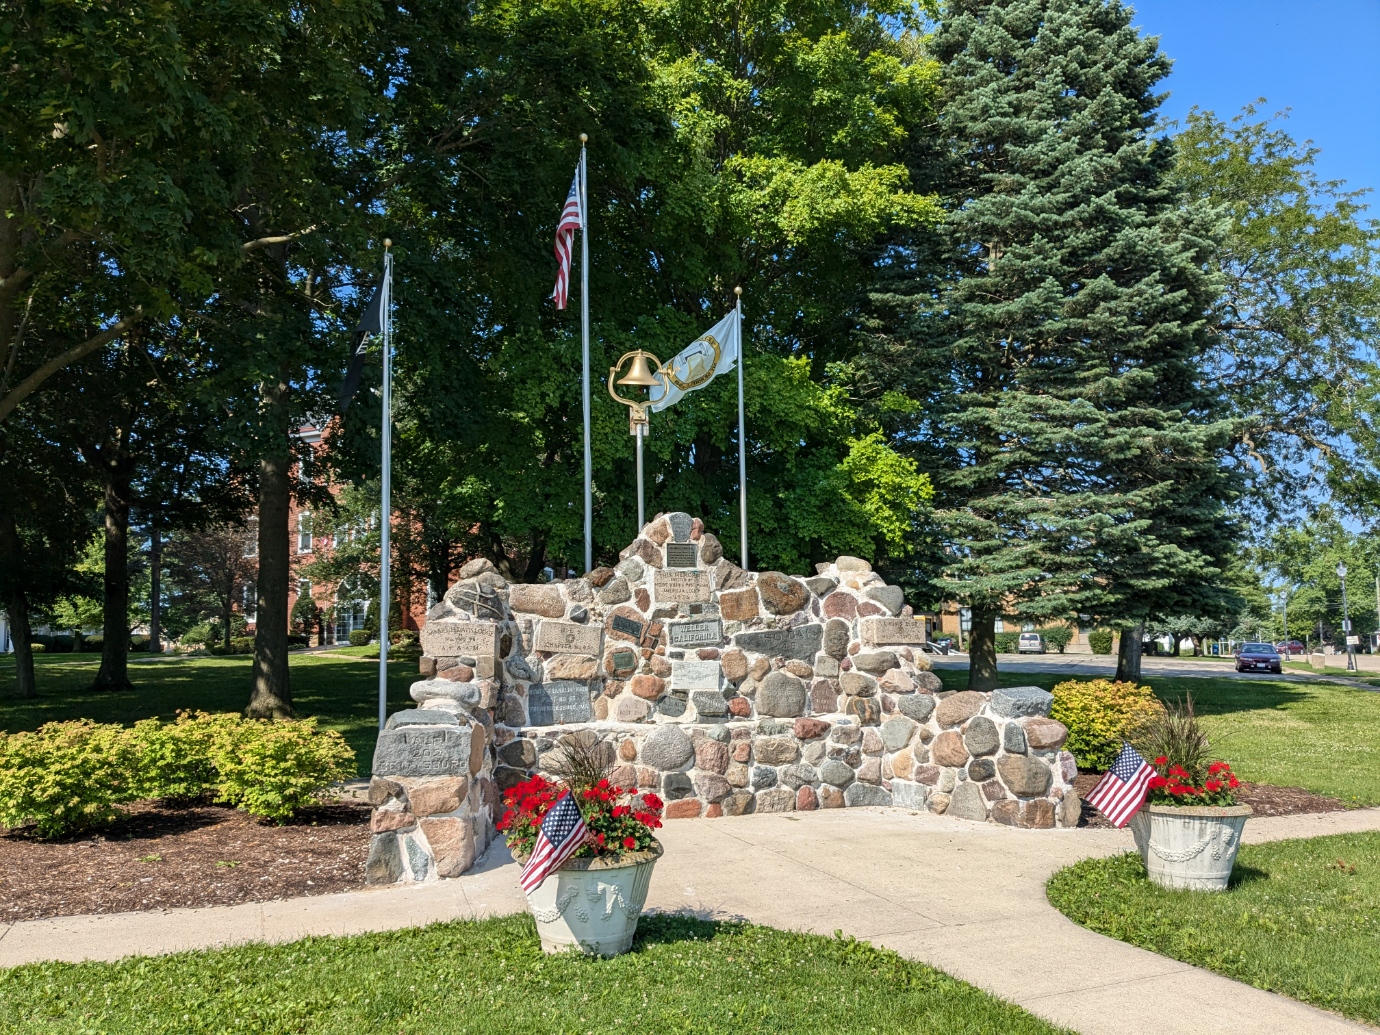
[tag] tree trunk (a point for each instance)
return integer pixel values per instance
(114, 671)
(155, 586)
(1128, 656)
(1177, 638)
(17, 608)
(271, 697)
(982, 651)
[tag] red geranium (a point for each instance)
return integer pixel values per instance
(618, 818)
(1174, 785)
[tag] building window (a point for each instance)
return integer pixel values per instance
(304, 532)
(305, 462)
(251, 543)
(248, 602)
(304, 588)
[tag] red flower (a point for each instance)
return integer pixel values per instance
(629, 842)
(1233, 783)
(1162, 760)
(1213, 786)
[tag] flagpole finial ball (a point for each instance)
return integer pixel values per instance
(388, 242)
(584, 138)
(738, 291)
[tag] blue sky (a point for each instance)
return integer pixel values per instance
(1321, 58)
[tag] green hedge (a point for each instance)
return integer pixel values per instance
(72, 776)
(1100, 641)
(1057, 637)
(360, 637)
(1007, 642)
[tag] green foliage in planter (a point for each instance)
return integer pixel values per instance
(65, 777)
(360, 637)
(1100, 641)
(1101, 714)
(1007, 642)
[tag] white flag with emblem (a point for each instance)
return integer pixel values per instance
(713, 353)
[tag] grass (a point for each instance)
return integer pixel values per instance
(1301, 918)
(341, 691)
(1324, 737)
(683, 975)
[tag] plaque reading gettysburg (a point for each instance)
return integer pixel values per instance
(702, 632)
(453, 639)
(695, 675)
(683, 586)
(569, 638)
(878, 631)
(561, 700)
(423, 752)
(682, 555)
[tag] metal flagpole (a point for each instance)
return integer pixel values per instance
(742, 437)
(386, 507)
(641, 516)
(584, 334)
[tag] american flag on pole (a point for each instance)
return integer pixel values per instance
(572, 219)
(1122, 789)
(562, 832)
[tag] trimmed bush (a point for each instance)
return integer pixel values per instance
(360, 637)
(38, 648)
(1007, 642)
(1057, 636)
(1100, 641)
(71, 776)
(65, 777)
(1101, 714)
(139, 643)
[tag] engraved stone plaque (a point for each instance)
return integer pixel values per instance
(561, 700)
(683, 586)
(878, 631)
(480, 601)
(695, 675)
(451, 639)
(701, 632)
(627, 626)
(801, 643)
(569, 638)
(681, 526)
(412, 751)
(682, 555)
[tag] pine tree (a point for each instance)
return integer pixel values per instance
(1080, 451)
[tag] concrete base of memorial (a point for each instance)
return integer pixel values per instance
(724, 691)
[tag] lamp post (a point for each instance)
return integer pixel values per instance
(1346, 620)
(639, 375)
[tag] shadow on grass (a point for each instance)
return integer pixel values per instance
(1244, 875)
(665, 928)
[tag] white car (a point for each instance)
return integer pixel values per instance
(1031, 643)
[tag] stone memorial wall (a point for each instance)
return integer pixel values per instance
(725, 691)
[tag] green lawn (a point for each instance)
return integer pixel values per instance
(1321, 736)
(342, 691)
(485, 977)
(1301, 918)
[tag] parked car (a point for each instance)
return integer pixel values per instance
(1289, 647)
(1257, 657)
(1031, 643)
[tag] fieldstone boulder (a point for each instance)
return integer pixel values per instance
(798, 775)
(781, 594)
(948, 749)
(667, 748)
(1013, 738)
(1045, 734)
(837, 633)
(875, 661)
(893, 598)
(834, 772)
(981, 770)
(857, 795)
(967, 802)
(908, 795)
(916, 706)
(1012, 702)
(980, 736)
(1026, 777)
(896, 733)
(958, 709)
(926, 681)
(543, 599)
(777, 799)
(857, 684)
(781, 694)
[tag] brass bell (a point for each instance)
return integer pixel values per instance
(638, 372)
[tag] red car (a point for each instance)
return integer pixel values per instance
(1289, 647)
(1258, 657)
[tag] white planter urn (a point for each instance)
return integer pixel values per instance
(593, 903)
(1189, 846)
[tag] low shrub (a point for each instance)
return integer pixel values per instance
(1057, 637)
(242, 645)
(360, 637)
(38, 648)
(139, 643)
(1100, 714)
(1100, 641)
(54, 644)
(65, 777)
(1007, 642)
(71, 776)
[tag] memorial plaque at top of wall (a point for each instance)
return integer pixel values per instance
(455, 639)
(561, 700)
(682, 555)
(682, 585)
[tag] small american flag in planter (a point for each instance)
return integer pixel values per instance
(1123, 787)
(562, 833)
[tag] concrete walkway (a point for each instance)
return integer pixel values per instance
(966, 898)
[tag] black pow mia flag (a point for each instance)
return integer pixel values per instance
(370, 322)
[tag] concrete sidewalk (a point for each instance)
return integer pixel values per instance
(964, 897)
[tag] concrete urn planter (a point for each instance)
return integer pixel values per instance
(593, 903)
(1191, 846)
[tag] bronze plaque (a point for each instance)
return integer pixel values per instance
(682, 555)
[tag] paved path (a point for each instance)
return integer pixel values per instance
(964, 897)
(1092, 665)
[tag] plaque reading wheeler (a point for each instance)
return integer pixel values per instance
(682, 555)
(682, 586)
(878, 631)
(700, 632)
(569, 638)
(561, 700)
(423, 752)
(695, 675)
(453, 639)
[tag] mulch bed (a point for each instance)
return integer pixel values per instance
(1264, 798)
(163, 858)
